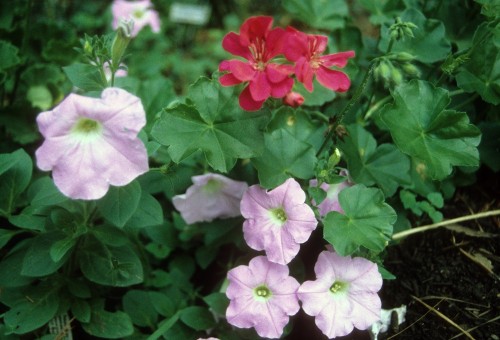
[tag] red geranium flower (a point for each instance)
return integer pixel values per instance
(306, 51)
(258, 44)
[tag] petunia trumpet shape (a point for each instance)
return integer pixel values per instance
(262, 295)
(344, 294)
(331, 201)
(258, 44)
(140, 11)
(277, 221)
(211, 196)
(306, 51)
(92, 143)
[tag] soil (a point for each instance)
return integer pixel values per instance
(432, 267)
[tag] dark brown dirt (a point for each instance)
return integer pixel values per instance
(433, 267)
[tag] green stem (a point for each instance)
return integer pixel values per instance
(389, 48)
(416, 230)
(321, 116)
(349, 105)
(165, 326)
(377, 106)
(456, 92)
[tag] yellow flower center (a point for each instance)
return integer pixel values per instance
(278, 215)
(262, 293)
(338, 287)
(87, 126)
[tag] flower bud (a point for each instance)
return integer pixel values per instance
(410, 69)
(121, 41)
(293, 99)
(334, 158)
(401, 56)
(396, 76)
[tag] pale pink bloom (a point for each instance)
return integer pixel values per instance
(211, 196)
(331, 201)
(120, 73)
(277, 221)
(262, 296)
(91, 143)
(344, 294)
(139, 11)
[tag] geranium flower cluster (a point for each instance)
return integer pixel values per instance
(259, 45)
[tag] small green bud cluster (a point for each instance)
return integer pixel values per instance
(399, 30)
(327, 169)
(392, 68)
(451, 64)
(95, 48)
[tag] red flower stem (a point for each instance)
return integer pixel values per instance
(338, 119)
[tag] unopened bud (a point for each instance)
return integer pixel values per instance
(334, 158)
(87, 48)
(385, 69)
(410, 69)
(121, 41)
(396, 76)
(401, 56)
(293, 99)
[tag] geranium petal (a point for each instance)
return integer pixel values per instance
(304, 73)
(333, 79)
(231, 43)
(241, 70)
(255, 28)
(260, 89)
(279, 90)
(229, 80)
(247, 102)
(337, 59)
(275, 42)
(296, 44)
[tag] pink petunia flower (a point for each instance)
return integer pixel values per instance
(306, 51)
(258, 44)
(91, 143)
(344, 294)
(139, 11)
(277, 221)
(262, 296)
(331, 201)
(211, 196)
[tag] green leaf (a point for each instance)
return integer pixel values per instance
(369, 164)
(429, 44)
(481, 73)
(218, 302)
(284, 157)
(5, 236)
(43, 192)
(85, 77)
(36, 263)
(421, 127)
(120, 203)
(137, 304)
(8, 55)
(298, 123)
(60, 248)
(488, 149)
(367, 221)
(216, 125)
(81, 310)
(319, 96)
(109, 266)
(15, 170)
(324, 14)
(198, 318)
(10, 267)
(382, 10)
(148, 213)
(104, 324)
(39, 306)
